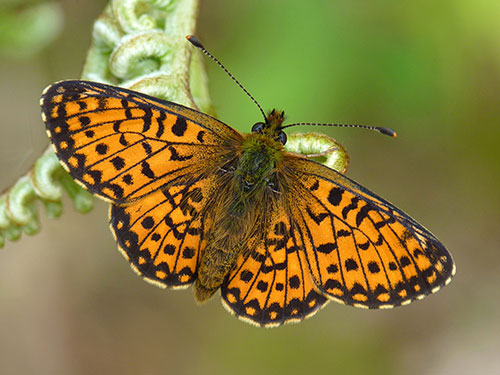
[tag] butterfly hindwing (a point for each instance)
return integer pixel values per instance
(360, 249)
(272, 285)
(162, 234)
(123, 145)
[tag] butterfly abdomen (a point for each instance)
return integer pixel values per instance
(216, 263)
(228, 238)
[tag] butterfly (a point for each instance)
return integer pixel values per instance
(193, 201)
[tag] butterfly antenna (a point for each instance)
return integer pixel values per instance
(195, 42)
(381, 130)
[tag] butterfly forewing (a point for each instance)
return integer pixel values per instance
(123, 145)
(360, 249)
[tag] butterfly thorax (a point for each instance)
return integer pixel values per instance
(260, 151)
(251, 183)
(255, 168)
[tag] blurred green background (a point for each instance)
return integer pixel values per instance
(69, 303)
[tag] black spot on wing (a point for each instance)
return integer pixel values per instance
(101, 148)
(294, 282)
(118, 163)
(116, 126)
(146, 170)
(146, 118)
(147, 147)
(363, 213)
(351, 265)
(315, 186)
(326, 248)
(174, 155)
(373, 267)
(180, 127)
(161, 126)
(350, 207)
(246, 276)
(316, 218)
(84, 120)
(123, 141)
(335, 196)
(200, 136)
(147, 222)
(262, 286)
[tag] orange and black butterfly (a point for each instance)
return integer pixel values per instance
(195, 201)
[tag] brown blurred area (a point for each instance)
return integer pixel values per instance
(69, 303)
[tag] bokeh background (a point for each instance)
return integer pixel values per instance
(69, 303)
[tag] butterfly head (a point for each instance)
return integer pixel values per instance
(272, 126)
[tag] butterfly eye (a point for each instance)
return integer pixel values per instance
(258, 127)
(281, 137)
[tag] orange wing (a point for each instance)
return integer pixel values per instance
(123, 145)
(272, 285)
(360, 249)
(161, 235)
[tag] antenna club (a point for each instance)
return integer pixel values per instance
(387, 131)
(195, 41)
